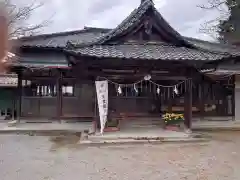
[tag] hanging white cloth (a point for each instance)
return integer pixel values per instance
(102, 97)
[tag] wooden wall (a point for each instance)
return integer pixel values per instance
(38, 107)
(207, 101)
(82, 104)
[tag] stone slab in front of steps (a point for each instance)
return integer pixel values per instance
(133, 141)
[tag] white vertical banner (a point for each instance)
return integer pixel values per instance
(102, 97)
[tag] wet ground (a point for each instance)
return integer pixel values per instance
(36, 158)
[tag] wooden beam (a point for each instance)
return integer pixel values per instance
(115, 63)
(35, 78)
(131, 74)
(139, 77)
(118, 71)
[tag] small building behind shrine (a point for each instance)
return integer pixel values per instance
(8, 91)
(8, 86)
(150, 68)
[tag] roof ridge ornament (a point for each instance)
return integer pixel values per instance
(142, 1)
(148, 25)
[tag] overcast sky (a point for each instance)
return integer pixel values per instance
(183, 15)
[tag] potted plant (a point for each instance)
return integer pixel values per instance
(173, 120)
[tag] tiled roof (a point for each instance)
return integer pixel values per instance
(146, 51)
(177, 49)
(88, 34)
(214, 47)
(61, 39)
(98, 42)
(42, 61)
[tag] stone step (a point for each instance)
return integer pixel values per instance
(142, 123)
(141, 126)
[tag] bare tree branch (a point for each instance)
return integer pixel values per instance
(19, 16)
(212, 27)
(212, 4)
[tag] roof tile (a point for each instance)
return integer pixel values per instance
(146, 51)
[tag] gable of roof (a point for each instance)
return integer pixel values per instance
(145, 13)
(148, 17)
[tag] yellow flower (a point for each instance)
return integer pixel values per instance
(172, 117)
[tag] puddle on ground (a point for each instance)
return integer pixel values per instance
(61, 140)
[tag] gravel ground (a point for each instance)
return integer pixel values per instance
(32, 158)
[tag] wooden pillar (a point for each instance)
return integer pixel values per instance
(13, 108)
(95, 121)
(170, 105)
(188, 105)
(233, 97)
(19, 95)
(201, 100)
(59, 95)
